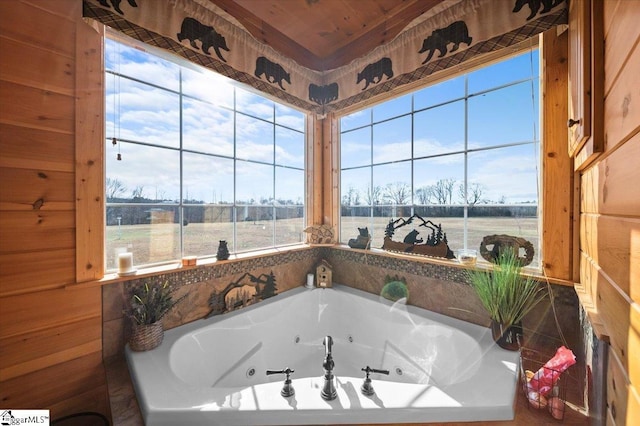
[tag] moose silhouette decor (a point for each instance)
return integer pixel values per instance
(435, 245)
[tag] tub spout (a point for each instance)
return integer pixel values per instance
(328, 389)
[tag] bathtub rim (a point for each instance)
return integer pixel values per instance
(154, 410)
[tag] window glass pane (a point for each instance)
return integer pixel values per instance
(150, 232)
(437, 180)
(205, 226)
(506, 175)
(289, 147)
(179, 181)
(355, 120)
(439, 93)
(514, 69)
(392, 140)
(254, 105)
(289, 186)
(254, 139)
(143, 113)
(289, 224)
(289, 117)
(255, 227)
(392, 108)
(472, 156)
(254, 183)
(207, 179)
(394, 181)
(439, 130)
(135, 63)
(207, 86)
(207, 128)
(355, 148)
(159, 183)
(502, 116)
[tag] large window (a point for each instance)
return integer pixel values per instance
(192, 159)
(463, 153)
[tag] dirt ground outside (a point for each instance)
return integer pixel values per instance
(152, 243)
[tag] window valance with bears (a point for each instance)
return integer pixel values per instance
(449, 34)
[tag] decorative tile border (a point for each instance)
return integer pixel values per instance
(180, 278)
(404, 265)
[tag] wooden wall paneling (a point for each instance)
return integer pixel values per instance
(23, 272)
(42, 24)
(28, 71)
(314, 170)
(26, 313)
(607, 186)
(332, 170)
(53, 386)
(37, 231)
(613, 243)
(28, 148)
(39, 349)
(29, 189)
(557, 209)
(614, 307)
(622, 34)
(90, 139)
(37, 108)
(617, 389)
(621, 109)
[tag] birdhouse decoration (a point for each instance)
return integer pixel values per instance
(324, 274)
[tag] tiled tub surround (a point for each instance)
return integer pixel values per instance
(213, 371)
(439, 286)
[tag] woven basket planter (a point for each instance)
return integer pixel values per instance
(145, 337)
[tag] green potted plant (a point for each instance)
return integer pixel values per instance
(507, 295)
(149, 304)
(395, 289)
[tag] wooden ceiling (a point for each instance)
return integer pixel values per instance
(325, 34)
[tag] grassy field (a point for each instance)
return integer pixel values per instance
(161, 242)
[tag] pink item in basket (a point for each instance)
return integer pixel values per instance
(544, 379)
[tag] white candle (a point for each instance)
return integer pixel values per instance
(309, 280)
(125, 262)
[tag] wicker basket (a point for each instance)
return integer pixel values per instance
(554, 403)
(146, 336)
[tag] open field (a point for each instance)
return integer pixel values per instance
(151, 243)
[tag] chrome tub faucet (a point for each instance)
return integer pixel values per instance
(328, 389)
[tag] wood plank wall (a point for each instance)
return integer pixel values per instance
(50, 328)
(610, 213)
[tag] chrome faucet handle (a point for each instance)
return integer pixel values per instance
(287, 388)
(367, 388)
(368, 370)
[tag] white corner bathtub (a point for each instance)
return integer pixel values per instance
(213, 371)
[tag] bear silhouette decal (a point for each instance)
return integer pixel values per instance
(534, 6)
(374, 72)
(439, 39)
(323, 94)
(193, 30)
(273, 73)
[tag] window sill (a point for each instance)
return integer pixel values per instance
(113, 277)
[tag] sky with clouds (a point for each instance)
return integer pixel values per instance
(266, 133)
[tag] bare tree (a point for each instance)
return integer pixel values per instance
(443, 190)
(351, 198)
(137, 192)
(474, 193)
(424, 194)
(114, 188)
(373, 195)
(398, 193)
